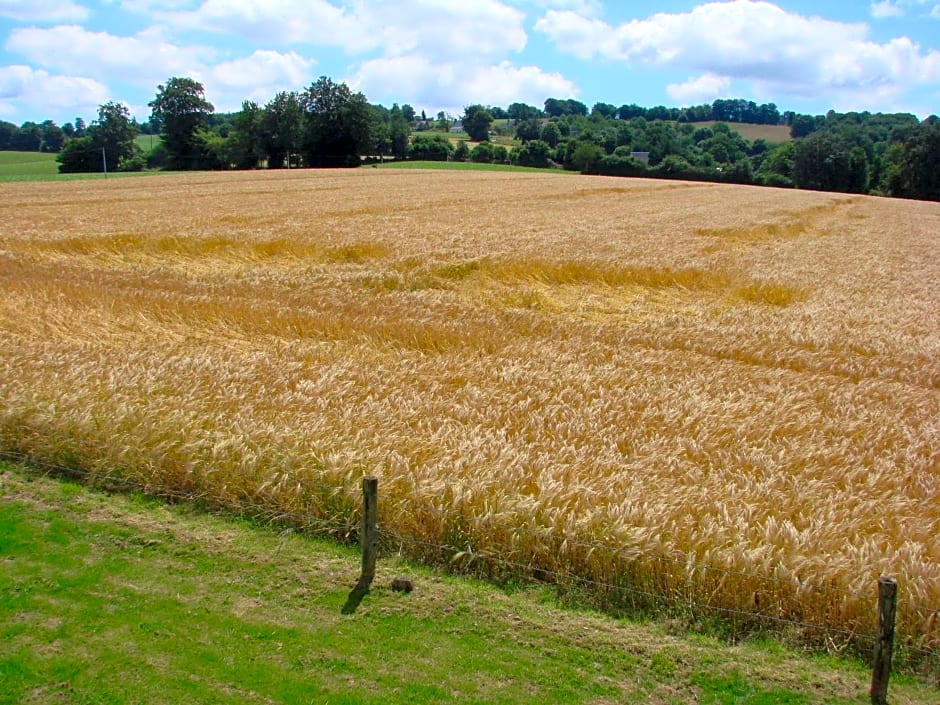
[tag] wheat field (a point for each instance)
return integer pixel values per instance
(724, 394)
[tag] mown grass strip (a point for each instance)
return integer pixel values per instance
(121, 599)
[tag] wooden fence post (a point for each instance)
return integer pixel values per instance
(369, 533)
(887, 609)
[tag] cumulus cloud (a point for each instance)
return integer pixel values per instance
(42, 93)
(882, 10)
(276, 21)
(42, 11)
(417, 80)
(704, 88)
(257, 77)
(147, 57)
(484, 28)
(779, 51)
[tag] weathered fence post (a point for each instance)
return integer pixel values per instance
(887, 609)
(369, 534)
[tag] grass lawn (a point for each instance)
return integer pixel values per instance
(121, 599)
(24, 166)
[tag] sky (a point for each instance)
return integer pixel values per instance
(61, 59)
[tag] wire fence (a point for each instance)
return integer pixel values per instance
(610, 578)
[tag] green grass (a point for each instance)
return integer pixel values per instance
(26, 166)
(148, 142)
(120, 599)
(464, 166)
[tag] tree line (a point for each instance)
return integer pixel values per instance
(329, 125)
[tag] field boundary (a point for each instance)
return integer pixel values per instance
(623, 594)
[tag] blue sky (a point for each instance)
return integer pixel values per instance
(62, 58)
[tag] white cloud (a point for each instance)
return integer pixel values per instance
(146, 58)
(885, 9)
(425, 84)
(704, 88)
(275, 21)
(43, 94)
(440, 30)
(257, 77)
(781, 52)
(479, 31)
(42, 10)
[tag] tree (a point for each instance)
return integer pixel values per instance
(476, 122)
(115, 133)
(399, 130)
(919, 170)
(181, 110)
(462, 152)
(605, 110)
(528, 129)
(78, 156)
(7, 132)
(522, 111)
(28, 138)
(431, 147)
(52, 136)
(586, 156)
(338, 122)
(109, 140)
(550, 134)
(246, 141)
(408, 113)
(535, 153)
(282, 128)
(823, 161)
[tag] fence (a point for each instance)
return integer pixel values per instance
(614, 582)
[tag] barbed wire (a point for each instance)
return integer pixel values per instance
(346, 528)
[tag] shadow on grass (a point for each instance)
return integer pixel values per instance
(357, 595)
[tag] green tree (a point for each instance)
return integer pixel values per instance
(431, 147)
(78, 156)
(826, 161)
(586, 156)
(399, 130)
(337, 126)
(476, 122)
(535, 153)
(550, 134)
(108, 142)
(529, 129)
(181, 110)
(28, 138)
(52, 136)
(115, 133)
(408, 113)
(776, 169)
(919, 170)
(247, 139)
(462, 152)
(522, 111)
(282, 128)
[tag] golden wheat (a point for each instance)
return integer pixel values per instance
(724, 394)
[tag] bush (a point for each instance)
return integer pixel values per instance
(431, 147)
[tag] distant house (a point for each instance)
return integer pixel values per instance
(641, 156)
(457, 126)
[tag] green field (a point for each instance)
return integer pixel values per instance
(27, 166)
(775, 134)
(122, 599)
